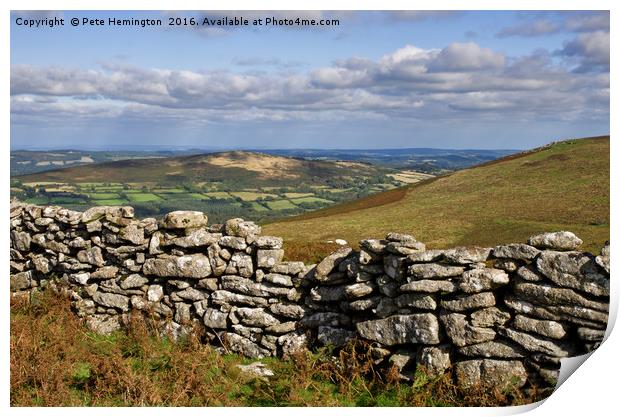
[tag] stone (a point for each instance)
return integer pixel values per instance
(242, 345)
(573, 270)
(215, 319)
(507, 265)
(182, 313)
(41, 264)
(241, 264)
(132, 233)
(399, 329)
(188, 266)
(556, 241)
(22, 281)
(429, 286)
(572, 314)
(434, 271)
(292, 311)
(334, 336)
(325, 319)
(292, 343)
(418, 301)
(256, 317)
(103, 323)
(118, 301)
(91, 256)
(256, 370)
(281, 328)
(548, 328)
(603, 259)
(241, 228)
(278, 279)
(434, 359)
(105, 272)
(80, 278)
(192, 294)
(528, 273)
(328, 294)
(184, 220)
(233, 242)
(363, 304)
(402, 359)
(374, 246)
(195, 239)
(516, 251)
(399, 248)
(590, 335)
(461, 332)
(400, 237)
(465, 256)
(493, 349)
(20, 240)
(222, 297)
(268, 242)
(490, 373)
(478, 280)
(549, 295)
(326, 266)
(359, 290)
(155, 243)
(429, 255)
(155, 293)
(133, 281)
(536, 344)
(268, 258)
(465, 302)
(489, 317)
(247, 286)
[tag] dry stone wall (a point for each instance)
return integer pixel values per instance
(503, 315)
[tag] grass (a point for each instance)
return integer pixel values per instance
(251, 196)
(258, 207)
(56, 361)
(112, 202)
(219, 195)
(562, 187)
(103, 196)
(143, 197)
(298, 195)
(280, 205)
(311, 200)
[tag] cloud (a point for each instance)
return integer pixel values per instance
(591, 50)
(575, 22)
(530, 29)
(466, 57)
(409, 83)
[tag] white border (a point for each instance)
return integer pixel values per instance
(591, 390)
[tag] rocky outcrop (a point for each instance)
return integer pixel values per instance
(495, 316)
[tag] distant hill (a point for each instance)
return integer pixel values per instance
(249, 168)
(563, 186)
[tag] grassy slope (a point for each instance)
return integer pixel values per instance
(563, 187)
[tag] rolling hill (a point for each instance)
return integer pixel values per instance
(251, 168)
(563, 186)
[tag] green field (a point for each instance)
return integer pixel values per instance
(103, 196)
(169, 190)
(280, 205)
(143, 197)
(251, 196)
(258, 207)
(219, 195)
(311, 200)
(114, 202)
(297, 195)
(562, 187)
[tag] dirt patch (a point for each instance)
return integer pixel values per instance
(266, 166)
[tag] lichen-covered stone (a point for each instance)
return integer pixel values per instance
(573, 270)
(182, 219)
(490, 373)
(464, 302)
(395, 330)
(555, 241)
(434, 271)
(188, 266)
(484, 279)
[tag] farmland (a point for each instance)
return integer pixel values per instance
(254, 186)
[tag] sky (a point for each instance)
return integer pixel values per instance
(469, 79)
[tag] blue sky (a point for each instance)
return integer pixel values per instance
(378, 80)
